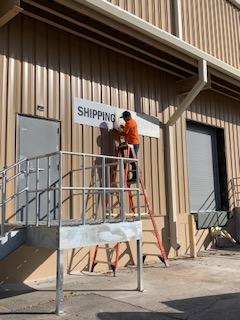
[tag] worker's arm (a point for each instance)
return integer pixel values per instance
(125, 131)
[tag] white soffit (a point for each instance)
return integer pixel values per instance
(132, 21)
(235, 3)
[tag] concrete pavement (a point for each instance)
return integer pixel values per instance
(204, 288)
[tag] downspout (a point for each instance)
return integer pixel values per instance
(170, 152)
(178, 18)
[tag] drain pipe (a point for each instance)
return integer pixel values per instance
(178, 18)
(170, 152)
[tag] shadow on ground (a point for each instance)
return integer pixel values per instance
(18, 289)
(217, 307)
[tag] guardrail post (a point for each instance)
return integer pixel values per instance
(3, 216)
(48, 191)
(36, 193)
(27, 188)
(60, 191)
(104, 190)
(122, 185)
(139, 266)
(138, 191)
(83, 196)
(59, 284)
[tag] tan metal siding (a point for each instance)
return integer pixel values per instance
(67, 67)
(49, 68)
(3, 91)
(43, 65)
(213, 26)
(157, 12)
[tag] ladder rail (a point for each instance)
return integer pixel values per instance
(140, 185)
(150, 212)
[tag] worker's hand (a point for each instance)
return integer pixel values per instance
(114, 130)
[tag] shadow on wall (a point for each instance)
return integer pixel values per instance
(106, 140)
(19, 266)
(218, 307)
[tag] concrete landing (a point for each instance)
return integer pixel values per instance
(205, 288)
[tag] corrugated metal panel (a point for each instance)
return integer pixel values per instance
(220, 111)
(203, 169)
(66, 67)
(49, 69)
(158, 13)
(3, 91)
(213, 26)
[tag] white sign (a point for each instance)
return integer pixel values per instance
(104, 116)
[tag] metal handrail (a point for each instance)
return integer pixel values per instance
(105, 189)
(91, 155)
(46, 155)
(2, 171)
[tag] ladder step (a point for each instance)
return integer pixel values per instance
(151, 254)
(122, 146)
(130, 214)
(106, 248)
(150, 242)
(136, 207)
(131, 182)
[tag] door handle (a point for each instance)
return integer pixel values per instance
(31, 170)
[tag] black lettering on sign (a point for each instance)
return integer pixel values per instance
(100, 114)
(92, 113)
(107, 116)
(86, 112)
(80, 111)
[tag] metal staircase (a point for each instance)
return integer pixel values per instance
(58, 201)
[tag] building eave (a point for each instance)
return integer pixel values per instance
(133, 22)
(8, 10)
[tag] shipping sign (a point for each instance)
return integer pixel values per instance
(104, 116)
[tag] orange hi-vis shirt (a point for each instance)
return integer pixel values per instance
(130, 132)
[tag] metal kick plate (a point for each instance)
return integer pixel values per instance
(90, 235)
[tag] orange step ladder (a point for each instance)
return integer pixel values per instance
(127, 151)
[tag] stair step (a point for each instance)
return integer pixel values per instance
(11, 241)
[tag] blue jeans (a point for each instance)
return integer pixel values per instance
(133, 164)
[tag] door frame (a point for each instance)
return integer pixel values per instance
(17, 139)
(223, 136)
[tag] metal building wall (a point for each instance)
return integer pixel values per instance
(44, 66)
(47, 67)
(212, 26)
(157, 12)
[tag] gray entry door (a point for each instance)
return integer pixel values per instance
(38, 137)
(203, 168)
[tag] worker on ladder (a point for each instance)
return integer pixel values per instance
(130, 133)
